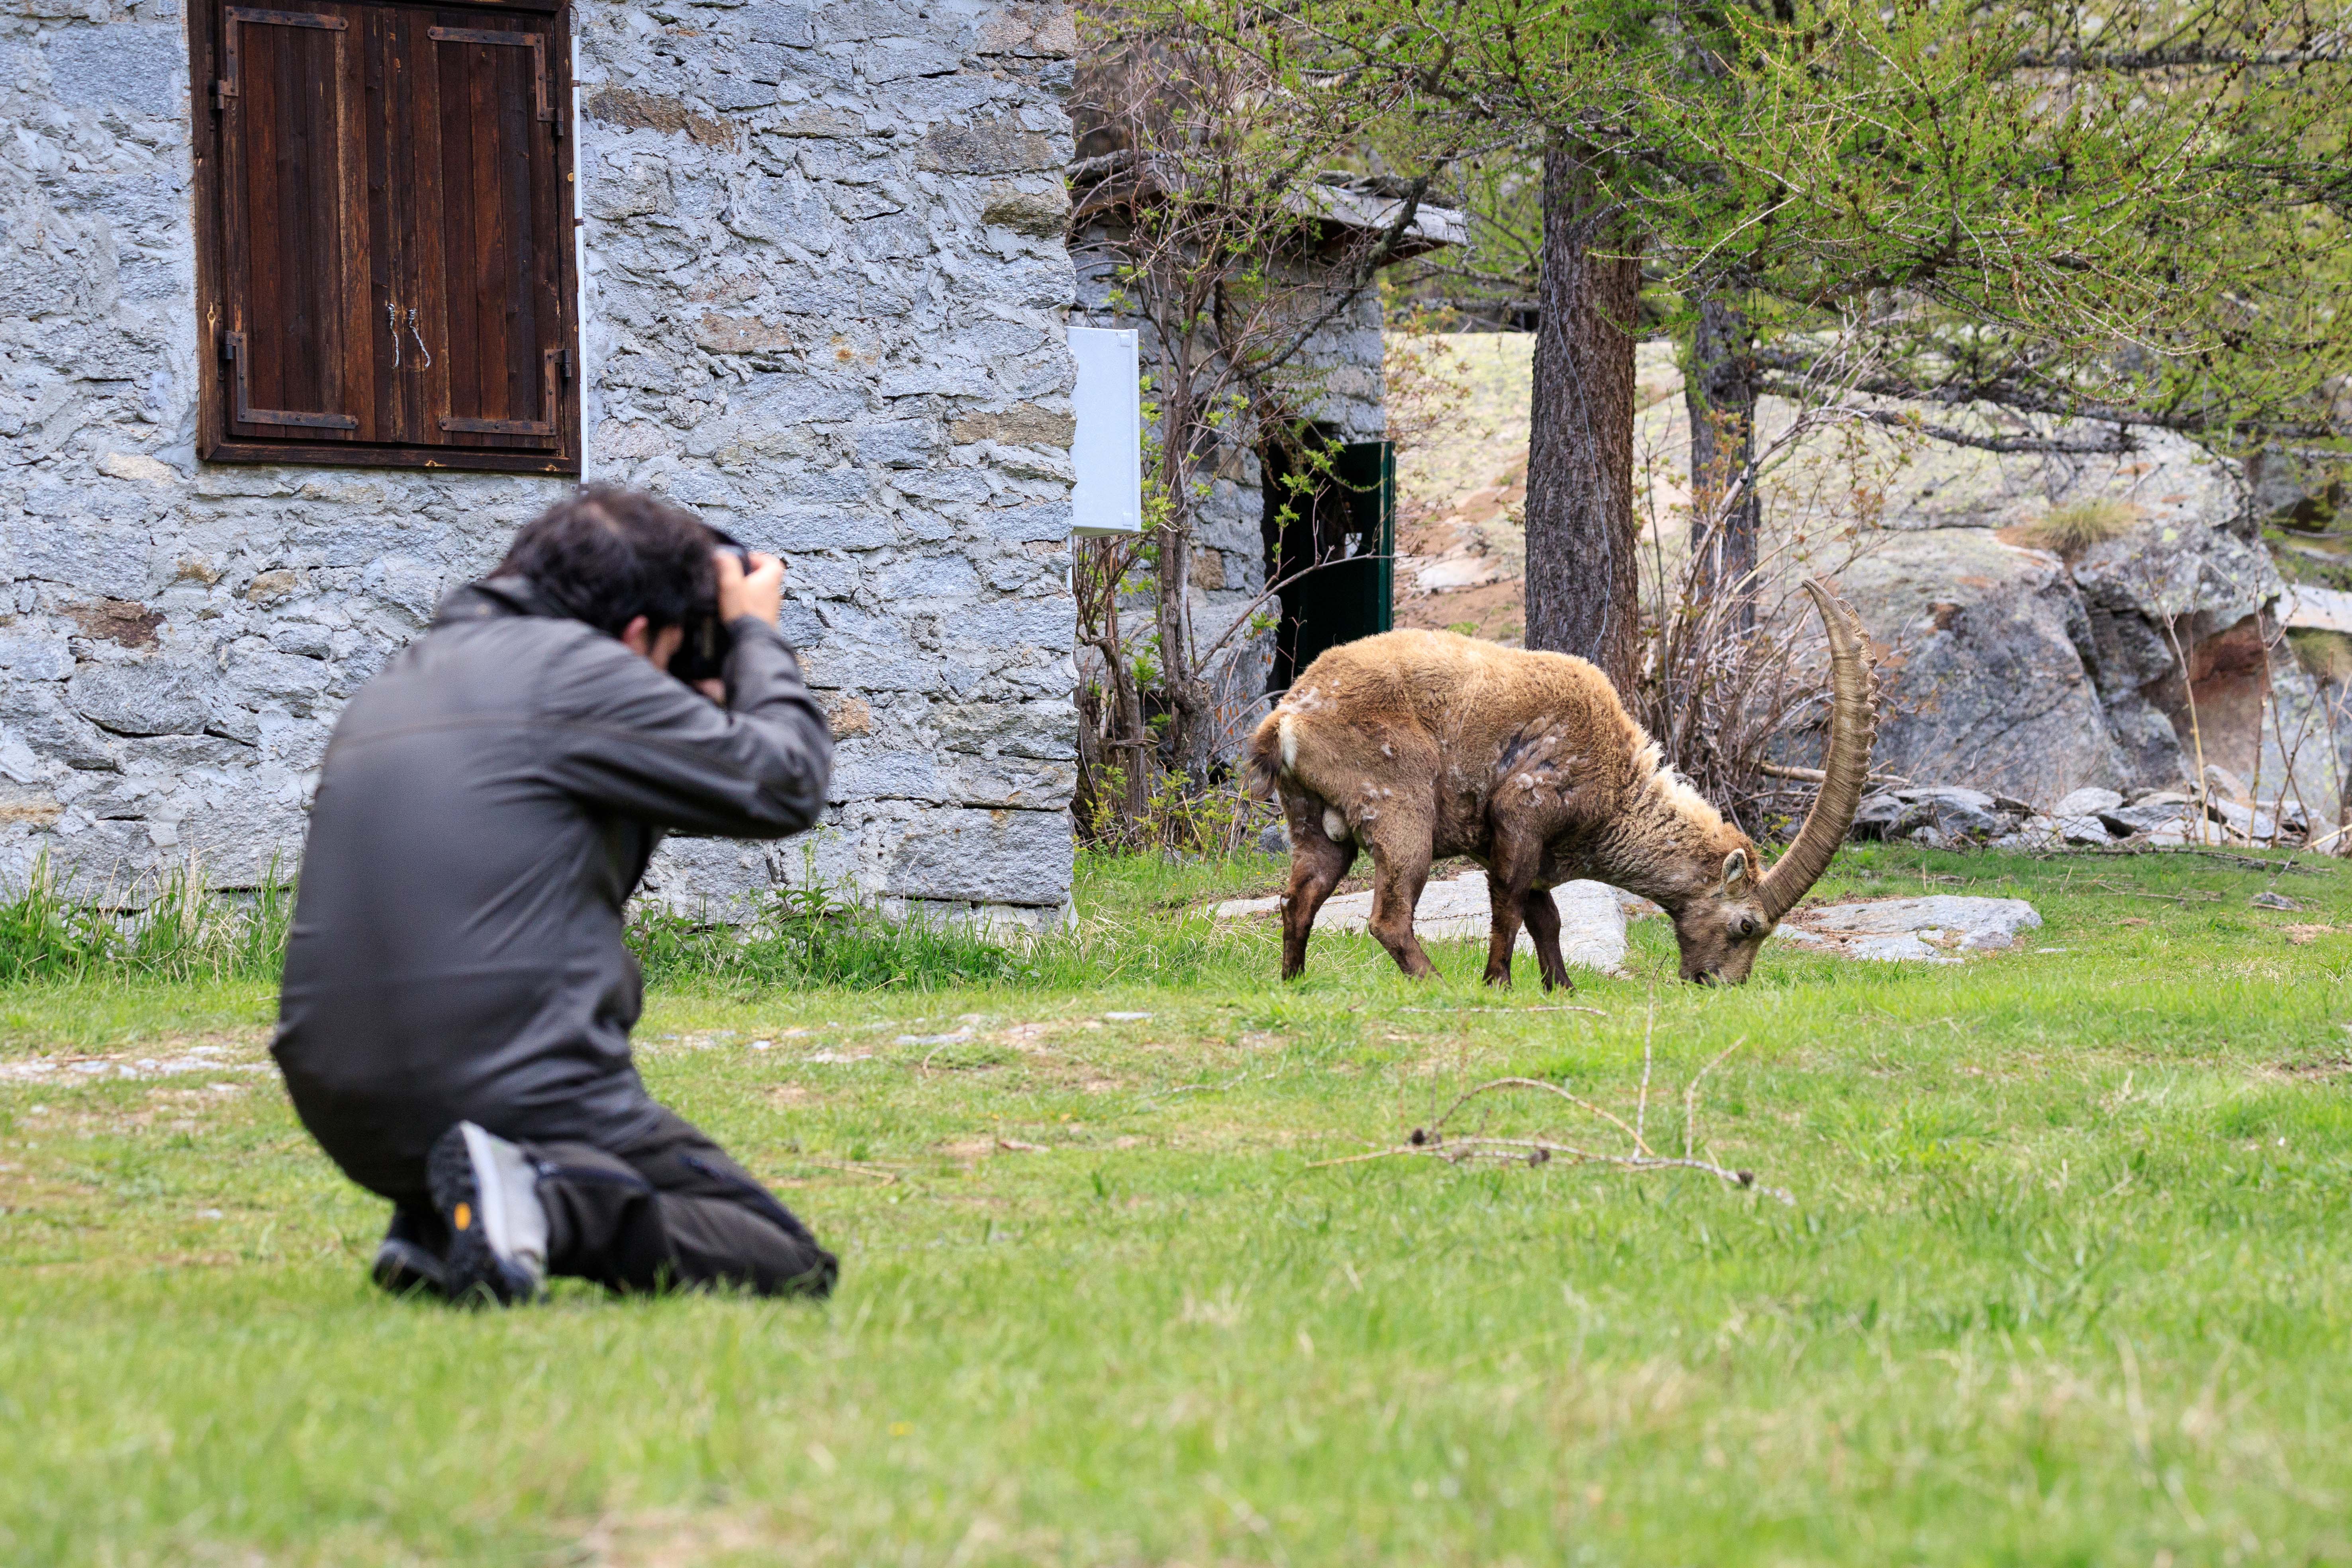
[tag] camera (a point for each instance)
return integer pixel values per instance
(702, 653)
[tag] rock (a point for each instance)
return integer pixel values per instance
(2156, 814)
(2246, 823)
(1953, 811)
(1879, 816)
(1591, 917)
(2312, 608)
(1992, 686)
(983, 856)
(1275, 840)
(2088, 801)
(150, 698)
(2086, 829)
(2015, 668)
(1936, 930)
(2194, 591)
(2222, 783)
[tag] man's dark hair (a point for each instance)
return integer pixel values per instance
(607, 556)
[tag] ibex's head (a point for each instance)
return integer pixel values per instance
(1719, 929)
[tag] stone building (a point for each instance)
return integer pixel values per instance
(801, 268)
(1240, 537)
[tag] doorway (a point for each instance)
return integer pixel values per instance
(1342, 523)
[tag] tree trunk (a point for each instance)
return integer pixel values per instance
(1721, 393)
(1581, 583)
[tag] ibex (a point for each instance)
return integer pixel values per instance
(1424, 744)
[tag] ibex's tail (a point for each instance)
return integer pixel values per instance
(1263, 759)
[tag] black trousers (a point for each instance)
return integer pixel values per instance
(668, 1211)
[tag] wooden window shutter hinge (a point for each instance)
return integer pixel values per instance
(555, 367)
(541, 83)
(241, 398)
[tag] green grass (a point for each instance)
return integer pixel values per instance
(2068, 1277)
(182, 931)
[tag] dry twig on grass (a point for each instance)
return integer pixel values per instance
(1436, 1141)
(2129, 851)
(1564, 1007)
(2191, 897)
(855, 1168)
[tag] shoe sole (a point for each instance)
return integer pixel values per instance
(403, 1268)
(473, 1270)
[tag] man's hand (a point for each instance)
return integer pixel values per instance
(760, 592)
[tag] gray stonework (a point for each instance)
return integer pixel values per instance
(825, 295)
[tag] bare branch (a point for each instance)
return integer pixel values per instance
(1434, 1142)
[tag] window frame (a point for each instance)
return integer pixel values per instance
(214, 441)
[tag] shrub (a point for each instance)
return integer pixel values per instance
(2070, 529)
(1174, 813)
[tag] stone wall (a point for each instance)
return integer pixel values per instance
(825, 288)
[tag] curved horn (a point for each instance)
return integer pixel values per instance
(1852, 720)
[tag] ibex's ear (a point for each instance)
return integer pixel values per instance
(1734, 870)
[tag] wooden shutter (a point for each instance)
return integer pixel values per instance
(392, 259)
(490, 228)
(295, 234)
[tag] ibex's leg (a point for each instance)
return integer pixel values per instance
(1515, 861)
(1400, 870)
(1317, 863)
(1543, 928)
(1503, 934)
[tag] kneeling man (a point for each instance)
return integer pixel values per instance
(455, 1023)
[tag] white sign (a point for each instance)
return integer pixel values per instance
(1107, 451)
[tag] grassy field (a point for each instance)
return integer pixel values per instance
(2067, 1277)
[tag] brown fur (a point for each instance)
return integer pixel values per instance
(1424, 744)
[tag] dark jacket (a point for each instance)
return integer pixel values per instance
(486, 805)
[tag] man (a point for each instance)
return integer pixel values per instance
(455, 1023)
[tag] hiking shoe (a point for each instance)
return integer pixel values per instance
(405, 1263)
(487, 1191)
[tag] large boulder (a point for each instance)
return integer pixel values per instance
(2129, 655)
(2193, 668)
(2049, 622)
(1983, 645)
